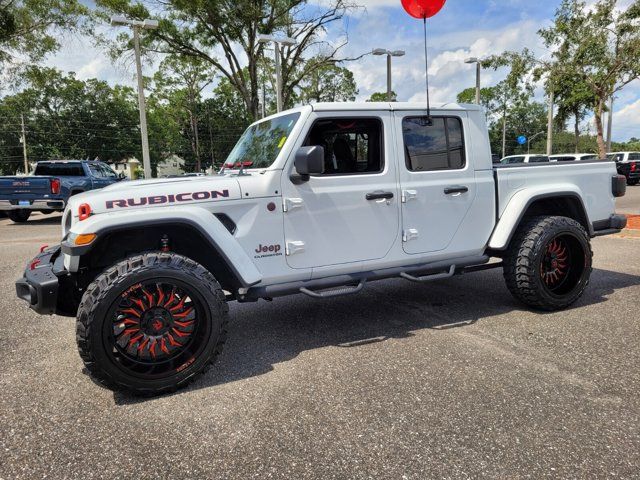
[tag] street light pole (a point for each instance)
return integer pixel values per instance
(142, 108)
(136, 25)
(478, 70)
(277, 41)
(278, 78)
(389, 54)
(550, 123)
(389, 89)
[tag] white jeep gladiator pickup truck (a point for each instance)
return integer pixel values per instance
(318, 200)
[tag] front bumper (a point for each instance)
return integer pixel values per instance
(37, 204)
(40, 283)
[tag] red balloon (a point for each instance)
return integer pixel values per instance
(422, 8)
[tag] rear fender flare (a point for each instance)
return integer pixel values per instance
(204, 221)
(520, 202)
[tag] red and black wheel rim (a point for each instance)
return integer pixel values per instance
(562, 264)
(158, 327)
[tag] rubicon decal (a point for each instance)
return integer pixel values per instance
(162, 199)
(264, 251)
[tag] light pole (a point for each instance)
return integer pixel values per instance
(478, 63)
(136, 25)
(277, 41)
(529, 141)
(389, 54)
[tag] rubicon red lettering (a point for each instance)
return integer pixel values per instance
(161, 199)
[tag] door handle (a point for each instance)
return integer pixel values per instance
(379, 196)
(456, 189)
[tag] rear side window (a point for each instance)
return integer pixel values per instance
(511, 160)
(59, 169)
(539, 159)
(634, 156)
(587, 158)
(564, 159)
(435, 146)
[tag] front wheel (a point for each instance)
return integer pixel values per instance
(19, 216)
(548, 263)
(151, 324)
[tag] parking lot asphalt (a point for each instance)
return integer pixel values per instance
(447, 380)
(630, 203)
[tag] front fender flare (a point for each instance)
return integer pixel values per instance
(204, 221)
(520, 202)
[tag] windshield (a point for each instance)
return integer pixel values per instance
(260, 144)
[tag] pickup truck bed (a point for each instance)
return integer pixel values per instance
(50, 186)
(579, 184)
(32, 193)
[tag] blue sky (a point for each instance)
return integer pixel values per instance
(463, 28)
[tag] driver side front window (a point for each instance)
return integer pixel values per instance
(351, 145)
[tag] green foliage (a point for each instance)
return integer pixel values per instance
(29, 28)
(327, 83)
(488, 98)
(595, 53)
(68, 118)
(382, 97)
(202, 29)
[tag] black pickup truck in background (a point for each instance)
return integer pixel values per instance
(628, 164)
(51, 185)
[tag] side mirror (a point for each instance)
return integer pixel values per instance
(121, 176)
(309, 161)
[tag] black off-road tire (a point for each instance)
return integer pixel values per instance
(633, 181)
(19, 216)
(95, 321)
(526, 262)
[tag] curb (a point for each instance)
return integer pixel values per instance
(633, 222)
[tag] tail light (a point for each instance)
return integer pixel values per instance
(84, 211)
(633, 167)
(55, 185)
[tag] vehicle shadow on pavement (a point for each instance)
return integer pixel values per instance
(264, 334)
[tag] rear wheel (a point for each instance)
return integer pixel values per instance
(548, 264)
(151, 323)
(633, 181)
(19, 216)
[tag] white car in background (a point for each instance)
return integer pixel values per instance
(528, 158)
(573, 157)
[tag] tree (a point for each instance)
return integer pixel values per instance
(328, 83)
(180, 81)
(68, 119)
(488, 99)
(595, 53)
(225, 119)
(382, 97)
(29, 28)
(200, 29)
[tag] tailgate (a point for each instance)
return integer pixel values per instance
(16, 187)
